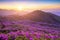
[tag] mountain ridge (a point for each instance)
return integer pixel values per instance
(39, 15)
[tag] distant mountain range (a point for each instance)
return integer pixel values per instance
(5, 12)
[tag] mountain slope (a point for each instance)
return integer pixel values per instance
(42, 16)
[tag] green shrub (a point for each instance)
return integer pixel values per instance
(21, 38)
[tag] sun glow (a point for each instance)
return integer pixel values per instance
(20, 8)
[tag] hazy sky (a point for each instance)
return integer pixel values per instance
(29, 4)
(46, 5)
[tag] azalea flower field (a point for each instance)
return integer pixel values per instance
(27, 31)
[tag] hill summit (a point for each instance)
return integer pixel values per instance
(42, 16)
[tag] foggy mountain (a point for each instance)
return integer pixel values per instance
(41, 16)
(37, 16)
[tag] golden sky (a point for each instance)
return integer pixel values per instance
(28, 6)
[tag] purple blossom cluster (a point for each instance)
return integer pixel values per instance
(21, 35)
